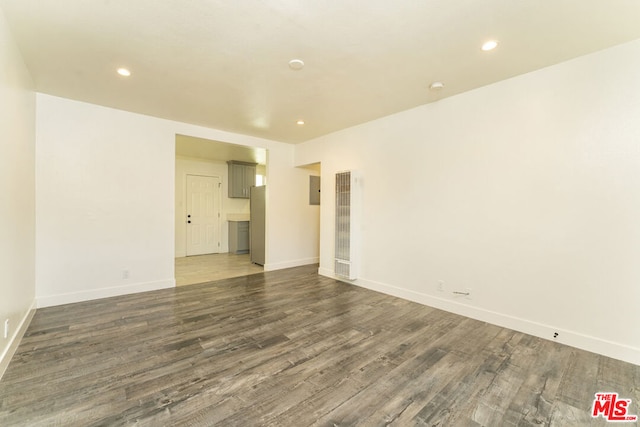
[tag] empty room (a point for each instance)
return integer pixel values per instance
(297, 213)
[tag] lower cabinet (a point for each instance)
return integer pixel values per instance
(239, 237)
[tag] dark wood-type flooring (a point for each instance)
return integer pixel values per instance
(291, 348)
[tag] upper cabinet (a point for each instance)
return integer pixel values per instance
(242, 176)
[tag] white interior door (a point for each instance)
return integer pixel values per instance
(203, 214)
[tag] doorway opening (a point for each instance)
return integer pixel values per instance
(203, 209)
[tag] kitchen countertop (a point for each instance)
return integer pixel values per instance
(238, 217)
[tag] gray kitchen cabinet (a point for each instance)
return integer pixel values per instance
(239, 237)
(242, 176)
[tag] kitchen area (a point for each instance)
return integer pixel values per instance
(247, 230)
(220, 210)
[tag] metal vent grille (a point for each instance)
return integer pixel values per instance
(343, 231)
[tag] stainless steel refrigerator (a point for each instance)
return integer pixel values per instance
(257, 225)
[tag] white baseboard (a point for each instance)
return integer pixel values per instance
(68, 298)
(183, 254)
(290, 264)
(10, 350)
(574, 339)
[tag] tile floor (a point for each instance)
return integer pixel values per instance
(206, 268)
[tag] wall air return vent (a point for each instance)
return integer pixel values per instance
(347, 225)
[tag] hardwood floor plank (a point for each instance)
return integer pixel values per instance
(532, 404)
(291, 348)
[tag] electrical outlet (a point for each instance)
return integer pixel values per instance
(440, 286)
(6, 328)
(125, 274)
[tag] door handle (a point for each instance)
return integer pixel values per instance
(188, 222)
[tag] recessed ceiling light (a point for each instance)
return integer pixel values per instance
(436, 85)
(490, 45)
(296, 64)
(300, 122)
(124, 72)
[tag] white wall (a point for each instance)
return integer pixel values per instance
(292, 231)
(526, 191)
(105, 181)
(186, 166)
(312, 212)
(106, 201)
(17, 193)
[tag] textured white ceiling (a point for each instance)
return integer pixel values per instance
(223, 64)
